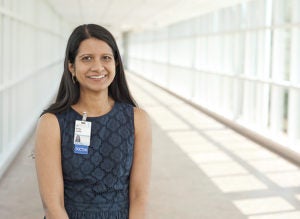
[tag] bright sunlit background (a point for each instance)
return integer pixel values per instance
(236, 59)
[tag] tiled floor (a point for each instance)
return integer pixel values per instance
(19, 197)
(201, 169)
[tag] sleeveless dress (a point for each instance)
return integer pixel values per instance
(96, 185)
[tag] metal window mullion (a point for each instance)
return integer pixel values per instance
(294, 95)
(277, 94)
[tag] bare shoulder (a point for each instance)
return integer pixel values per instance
(48, 128)
(141, 117)
(48, 119)
(142, 122)
(140, 113)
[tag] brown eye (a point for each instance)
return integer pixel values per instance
(87, 58)
(107, 58)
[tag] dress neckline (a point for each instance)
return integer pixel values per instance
(95, 117)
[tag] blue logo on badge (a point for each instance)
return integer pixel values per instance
(81, 149)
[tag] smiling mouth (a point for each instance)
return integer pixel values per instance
(97, 76)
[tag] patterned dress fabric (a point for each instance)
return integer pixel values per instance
(96, 185)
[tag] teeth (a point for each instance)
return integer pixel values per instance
(97, 77)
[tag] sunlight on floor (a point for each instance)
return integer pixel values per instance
(210, 157)
(166, 120)
(239, 183)
(263, 205)
(249, 155)
(285, 179)
(191, 142)
(273, 165)
(223, 169)
(283, 215)
(233, 163)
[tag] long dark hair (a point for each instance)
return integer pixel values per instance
(68, 92)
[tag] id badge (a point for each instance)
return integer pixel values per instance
(82, 136)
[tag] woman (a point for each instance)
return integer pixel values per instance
(106, 174)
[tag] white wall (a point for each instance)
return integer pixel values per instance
(32, 46)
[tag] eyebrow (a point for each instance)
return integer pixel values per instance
(89, 54)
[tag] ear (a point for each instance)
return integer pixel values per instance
(71, 68)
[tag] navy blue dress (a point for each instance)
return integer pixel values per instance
(96, 185)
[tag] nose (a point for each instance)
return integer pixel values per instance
(97, 66)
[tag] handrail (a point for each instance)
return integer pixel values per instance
(283, 84)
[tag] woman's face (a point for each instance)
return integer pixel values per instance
(94, 65)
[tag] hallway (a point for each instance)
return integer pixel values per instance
(200, 169)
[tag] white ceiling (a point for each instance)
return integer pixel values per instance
(122, 15)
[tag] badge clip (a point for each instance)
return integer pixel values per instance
(84, 116)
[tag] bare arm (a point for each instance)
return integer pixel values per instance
(141, 167)
(48, 167)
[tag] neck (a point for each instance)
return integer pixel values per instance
(94, 104)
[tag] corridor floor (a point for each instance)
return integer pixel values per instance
(200, 169)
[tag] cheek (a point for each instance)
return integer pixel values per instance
(112, 68)
(81, 69)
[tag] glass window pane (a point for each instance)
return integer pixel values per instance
(281, 51)
(282, 11)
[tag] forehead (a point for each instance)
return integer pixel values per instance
(94, 46)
